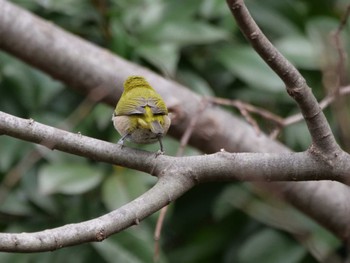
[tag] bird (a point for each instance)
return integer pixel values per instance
(141, 115)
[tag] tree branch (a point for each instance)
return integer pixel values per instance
(297, 88)
(167, 189)
(74, 143)
(176, 176)
(324, 103)
(221, 166)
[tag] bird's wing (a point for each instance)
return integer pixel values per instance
(134, 106)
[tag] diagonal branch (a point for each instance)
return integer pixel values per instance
(297, 88)
(167, 189)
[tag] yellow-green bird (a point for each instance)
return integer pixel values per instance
(141, 115)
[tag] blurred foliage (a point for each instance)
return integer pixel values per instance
(198, 44)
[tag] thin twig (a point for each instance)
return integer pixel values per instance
(323, 104)
(249, 107)
(338, 78)
(246, 108)
(158, 231)
(342, 56)
(183, 142)
(189, 130)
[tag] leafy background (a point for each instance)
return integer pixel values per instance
(198, 44)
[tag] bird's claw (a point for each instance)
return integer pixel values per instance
(159, 152)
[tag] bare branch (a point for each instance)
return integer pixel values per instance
(166, 190)
(342, 57)
(277, 120)
(296, 85)
(158, 231)
(223, 165)
(189, 130)
(336, 76)
(246, 108)
(176, 176)
(74, 143)
(323, 104)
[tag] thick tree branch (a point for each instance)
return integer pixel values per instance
(221, 166)
(85, 67)
(297, 88)
(75, 143)
(167, 189)
(176, 176)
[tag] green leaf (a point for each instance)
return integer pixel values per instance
(275, 213)
(114, 192)
(195, 82)
(123, 186)
(102, 114)
(68, 178)
(176, 12)
(319, 31)
(300, 51)
(225, 202)
(270, 246)
(17, 76)
(246, 64)
(113, 252)
(67, 7)
(270, 16)
(121, 41)
(16, 204)
(188, 32)
(164, 56)
(212, 9)
(297, 136)
(16, 257)
(29, 86)
(47, 88)
(10, 150)
(122, 247)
